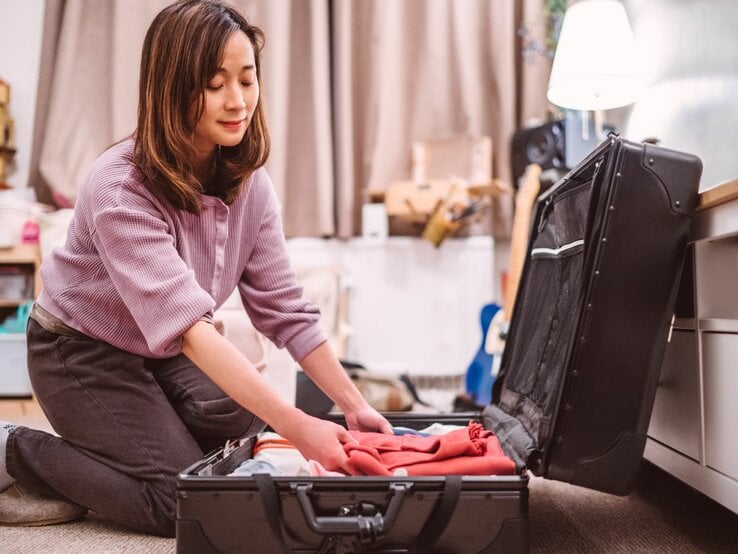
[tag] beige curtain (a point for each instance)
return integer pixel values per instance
(424, 70)
(296, 89)
(94, 89)
(419, 70)
(348, 85)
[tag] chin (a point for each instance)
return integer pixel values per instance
(230, 141)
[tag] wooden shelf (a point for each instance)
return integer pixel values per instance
(719, 325)
(21, 254)
(13, 303)
(719, 195)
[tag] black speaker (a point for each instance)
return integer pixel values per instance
(557, 146)
(544, 145)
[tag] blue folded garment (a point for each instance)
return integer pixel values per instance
(408, 431)
(250, 467)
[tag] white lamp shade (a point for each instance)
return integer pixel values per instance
(596, 64)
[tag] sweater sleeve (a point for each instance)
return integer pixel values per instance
(153, 281)
(270, 292)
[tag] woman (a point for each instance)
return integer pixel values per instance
(122, 351)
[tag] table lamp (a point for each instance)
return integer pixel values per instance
(596, 65)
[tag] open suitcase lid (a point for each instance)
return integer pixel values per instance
(578, 376)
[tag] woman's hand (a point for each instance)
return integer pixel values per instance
(325, 370)
(318, 440)
(366, 418)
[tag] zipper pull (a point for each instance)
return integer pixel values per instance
(598, 164)
(544, 214)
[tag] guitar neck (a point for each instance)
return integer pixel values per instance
(524, 201)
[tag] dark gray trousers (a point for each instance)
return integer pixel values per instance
(128, 426)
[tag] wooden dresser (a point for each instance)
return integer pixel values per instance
(693, 431)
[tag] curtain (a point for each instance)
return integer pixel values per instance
(419, 70)
(347, 86)
(93, 89)
(296, 90)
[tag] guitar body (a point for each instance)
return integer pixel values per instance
(479, 376)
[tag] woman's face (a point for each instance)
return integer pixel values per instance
(231, 96)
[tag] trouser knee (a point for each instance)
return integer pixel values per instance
(162, 510)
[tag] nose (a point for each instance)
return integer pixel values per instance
(235, 99)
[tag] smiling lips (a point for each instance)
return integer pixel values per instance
(232, 124)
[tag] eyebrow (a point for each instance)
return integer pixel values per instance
(245, 67)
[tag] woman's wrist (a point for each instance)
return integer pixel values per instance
(290, 422)
(352, 404)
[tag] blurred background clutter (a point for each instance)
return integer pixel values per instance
(402, 134)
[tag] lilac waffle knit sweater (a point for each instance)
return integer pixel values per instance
(136, 272)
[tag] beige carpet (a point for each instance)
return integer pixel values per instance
(661, 515)
(89, 535)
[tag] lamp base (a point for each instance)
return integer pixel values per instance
(582, 134)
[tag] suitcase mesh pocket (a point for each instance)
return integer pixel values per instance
(549, 302)
(561, 328)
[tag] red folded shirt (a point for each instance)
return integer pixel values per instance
(469, 451)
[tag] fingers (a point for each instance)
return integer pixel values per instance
(386, 428)
(368, 419)
(345, 437)
(337, 459)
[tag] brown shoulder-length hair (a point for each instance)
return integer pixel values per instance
(183, 48)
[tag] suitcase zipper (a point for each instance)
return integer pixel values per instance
(544, 214)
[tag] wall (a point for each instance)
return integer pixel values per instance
(690, 57)
(21, 26)
(412, 307)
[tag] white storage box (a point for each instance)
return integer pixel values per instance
(14, 379)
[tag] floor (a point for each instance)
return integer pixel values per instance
(661, 515)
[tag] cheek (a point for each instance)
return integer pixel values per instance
(252, 97)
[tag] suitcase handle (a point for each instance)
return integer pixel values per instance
(365, 526)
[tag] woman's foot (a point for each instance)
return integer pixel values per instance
(5, 479)
(22, 506)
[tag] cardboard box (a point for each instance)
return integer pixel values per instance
(464, 157)
(418, 200)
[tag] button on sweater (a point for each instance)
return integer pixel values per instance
(136, 272)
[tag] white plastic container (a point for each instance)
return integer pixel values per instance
(14, 379)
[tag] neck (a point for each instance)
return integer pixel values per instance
(205, 165)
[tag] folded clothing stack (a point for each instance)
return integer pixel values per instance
(469, 450)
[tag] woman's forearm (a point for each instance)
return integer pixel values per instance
(315, 439)
(323, 367)
(237, 377)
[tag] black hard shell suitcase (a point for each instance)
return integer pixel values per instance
(572, 400)
(353, 514)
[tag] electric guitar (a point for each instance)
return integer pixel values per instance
(495, 320)
(479, 372)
